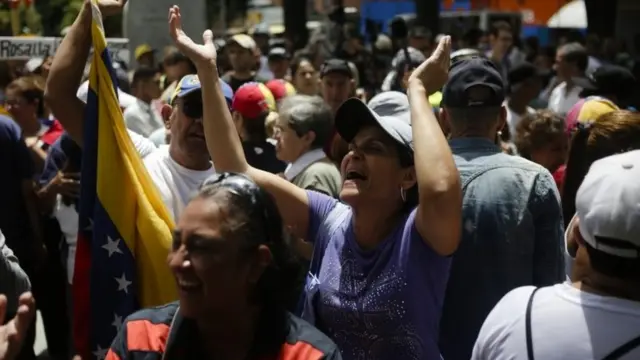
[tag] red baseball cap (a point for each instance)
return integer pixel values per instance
(280, 89)
(252, 100)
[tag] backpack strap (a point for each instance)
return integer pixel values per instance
(623, 349)
(528, 325)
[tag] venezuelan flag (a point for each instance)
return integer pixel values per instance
(125, 231)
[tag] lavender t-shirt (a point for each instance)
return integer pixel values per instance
(380, 304)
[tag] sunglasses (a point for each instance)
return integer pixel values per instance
(192, 107)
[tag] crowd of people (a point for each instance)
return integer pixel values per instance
(457, 201)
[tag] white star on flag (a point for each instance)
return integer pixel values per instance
(100, 353)
(123, 283)
(117, 321)
(112, 246)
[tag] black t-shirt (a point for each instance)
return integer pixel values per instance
(17, 168)
(262, 155)
(235, 83)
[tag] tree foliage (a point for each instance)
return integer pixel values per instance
(50, 17)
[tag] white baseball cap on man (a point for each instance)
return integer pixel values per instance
(608, 205)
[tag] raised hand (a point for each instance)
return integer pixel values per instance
(111, 7)
(203, 56)
(434, 72)
(13, 333)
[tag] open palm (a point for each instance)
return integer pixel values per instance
(111, 7)
(433, 72)
(201, 55)
(12, 334)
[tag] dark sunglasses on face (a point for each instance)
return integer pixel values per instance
(192, 107)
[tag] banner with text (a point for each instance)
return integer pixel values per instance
(25, 48)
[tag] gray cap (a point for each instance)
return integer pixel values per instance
(391, 103)
(388, 110)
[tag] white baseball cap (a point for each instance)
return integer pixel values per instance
(608, 205)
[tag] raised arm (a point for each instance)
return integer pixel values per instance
(439, 215)
(68, 66)
(221, 135)
(66, 73)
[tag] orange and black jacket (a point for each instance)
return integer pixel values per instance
(163, 334)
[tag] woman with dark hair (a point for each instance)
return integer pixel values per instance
(381, 257)
(304, 76)
(235, 273)
(612, 133)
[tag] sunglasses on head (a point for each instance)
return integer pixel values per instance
(237, 184)
(241, 186)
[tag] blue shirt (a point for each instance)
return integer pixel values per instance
(512, 236)
(54, 162)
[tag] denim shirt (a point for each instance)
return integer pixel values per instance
(512, 235)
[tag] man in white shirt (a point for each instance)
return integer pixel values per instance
(571, 62)
(178, 169)
(525, 83)
(141, 116)
(597, 316)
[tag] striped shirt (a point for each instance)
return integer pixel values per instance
(161, 333)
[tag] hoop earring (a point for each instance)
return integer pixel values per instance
(403, 194)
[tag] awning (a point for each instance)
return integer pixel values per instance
(573, 15)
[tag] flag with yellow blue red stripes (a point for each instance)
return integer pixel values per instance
(125, 231)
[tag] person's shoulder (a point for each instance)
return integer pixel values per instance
(558, 88)
(321, 200)
(304, 341)
(159, 155)
(260, 78)
(517, 296)
(325, 166)
(154, 316)
(323, 171)
(7, 125)
(130, 110)
(159, 137)
(143, 145)
(509, 310)
(520, 163)
(227, 77)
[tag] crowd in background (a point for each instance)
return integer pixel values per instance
(508, 233)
